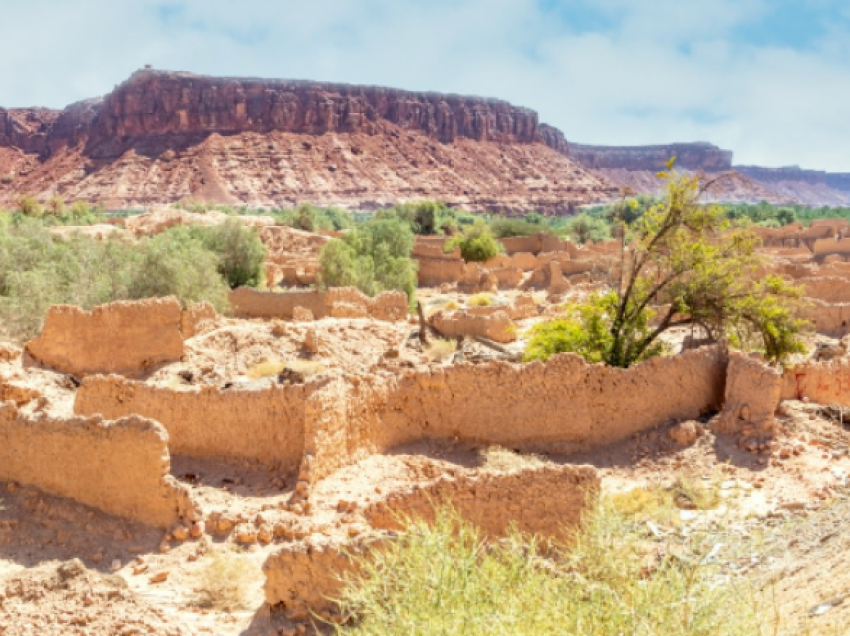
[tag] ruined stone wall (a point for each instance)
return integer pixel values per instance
(829, 289)
(250, 303)
(543, 501)
(120, 467)
(753, 391)
(127, 337)
(831, 319)
(546, 501)
(496, 326)
(576, 406)
(828, 246)
(822, 382)
(266, 425)
(194, 318)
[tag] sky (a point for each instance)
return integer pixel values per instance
(768, 79)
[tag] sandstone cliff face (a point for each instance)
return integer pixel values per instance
(160, 137)
(161, 103)
(26, 129)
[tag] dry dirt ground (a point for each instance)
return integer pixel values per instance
(778, 522)
(778, 519)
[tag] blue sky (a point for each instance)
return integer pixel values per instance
(767, 79)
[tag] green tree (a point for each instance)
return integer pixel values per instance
(176, 263)
(587, 229)
(375, 257)
(687, 259)
(241, 253)
(305, 218)
(476, 243)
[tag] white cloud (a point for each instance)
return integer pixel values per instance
(671, 70)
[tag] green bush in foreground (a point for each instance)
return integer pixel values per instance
(445, 580)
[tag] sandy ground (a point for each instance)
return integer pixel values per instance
(780, 519)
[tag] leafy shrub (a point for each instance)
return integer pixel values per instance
(375, 257)
(506, 228)
(476, 243)
(587, 229)
(38, 270)
(310, 218)
(585, 329)
(241, 253)
(176, 263)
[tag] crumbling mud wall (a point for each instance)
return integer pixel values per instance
(250, 303)
(546, 501)
(496, 326)
(828, 289)
(118, 467)
(194, 318)
(821, 382)
(266, 425)
(126, 337)
(576, 406)
(304, 578)
(831, 319)
(828, 246)
(753, 391)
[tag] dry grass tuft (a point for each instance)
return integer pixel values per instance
(266, 368)
(694, 494)
(649, 503)
(505, 460)
(480, 300)
(307, 368)
(440, 350)
(274, 366)
(442, 579)
(225, 581)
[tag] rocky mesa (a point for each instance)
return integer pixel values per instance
(161, 136)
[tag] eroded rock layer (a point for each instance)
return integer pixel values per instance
(163, 136)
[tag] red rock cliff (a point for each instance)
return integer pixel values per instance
(162, 136)
(158, 103)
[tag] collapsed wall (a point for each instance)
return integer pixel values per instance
(126, 337)
(339, 302)
(821, 382)
(119, 467)
(528, 261)
(576, 406)
(266, 425)
(496, 326)
(753, 391)
(831, 319)
(547, 501)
